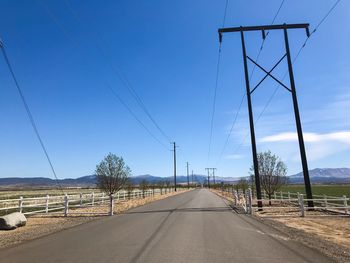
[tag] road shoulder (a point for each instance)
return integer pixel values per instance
(334, 251)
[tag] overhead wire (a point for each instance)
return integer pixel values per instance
(250, 78)
(30, 115)
(135, 116)
(122, 77)
(77, 44)
(297, 55)
(286, 73)
(216, 87)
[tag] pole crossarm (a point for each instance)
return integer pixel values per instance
(263, 28)
(268, 73)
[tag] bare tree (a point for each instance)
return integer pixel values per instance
(242, 184)
(112, 173)
(144, 185)
(252, 184)
(167, 183)
(153, 187)
(129, 187)
(272, 172)
(161, 185)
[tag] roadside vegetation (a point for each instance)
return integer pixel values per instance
(320, 189)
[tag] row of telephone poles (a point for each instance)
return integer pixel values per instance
(187, 168)
(212, 169)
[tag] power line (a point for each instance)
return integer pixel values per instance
(118, 72)
(285, 74)
(124, 81)
(216, 85)
(264, 39)
(296, 57)
(135, 117)
(230, 132)
(251, 76)
(29, 113)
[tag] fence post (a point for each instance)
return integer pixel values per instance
(289, 197)
(250, 198)
(325, 201)
(235, 196)
(345, 204)
(47, 204)
(301, 204)
(66, 205)
(282, 196)
(124, 195)
(111, 205)
(103, 197)
(20, 204)
(275, 195)
(93, 198)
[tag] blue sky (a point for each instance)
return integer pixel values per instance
(66, 54)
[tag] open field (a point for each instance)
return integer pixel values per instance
(14, 194)
(329, 190)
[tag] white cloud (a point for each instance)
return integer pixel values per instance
(318, 145)
(342, 136)
(234, 156)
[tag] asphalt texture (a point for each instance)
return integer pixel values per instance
(195, 226)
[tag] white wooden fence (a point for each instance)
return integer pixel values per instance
(287, 201)
(67, 203)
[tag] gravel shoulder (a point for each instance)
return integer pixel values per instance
(41, 225)
(329, 235)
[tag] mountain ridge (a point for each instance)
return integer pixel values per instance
(317, 175)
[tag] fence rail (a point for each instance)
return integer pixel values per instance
(283, 201)
(67, 203)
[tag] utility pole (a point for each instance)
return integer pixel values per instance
(214, 174)
(174, 143)
(263, 30)
(188, 177)
(192, 178)
(208, 177)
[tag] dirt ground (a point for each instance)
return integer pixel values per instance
(336, 230)
(329, 234)
(41, 225)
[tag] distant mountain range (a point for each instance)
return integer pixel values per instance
(319, 176)
(326, 175)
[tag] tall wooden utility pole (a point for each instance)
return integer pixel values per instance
(287, 55)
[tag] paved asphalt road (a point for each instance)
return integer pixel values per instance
(195, 226)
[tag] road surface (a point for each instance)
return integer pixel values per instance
(196, 226)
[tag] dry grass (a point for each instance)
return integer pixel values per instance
(41, 225)
(335, 229)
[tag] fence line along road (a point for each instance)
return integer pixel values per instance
(64, 203)
(284, 201)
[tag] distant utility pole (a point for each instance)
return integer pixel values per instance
(188, 177)
(174, 144)
(208, 169)
(292, 90)
(213, 172)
